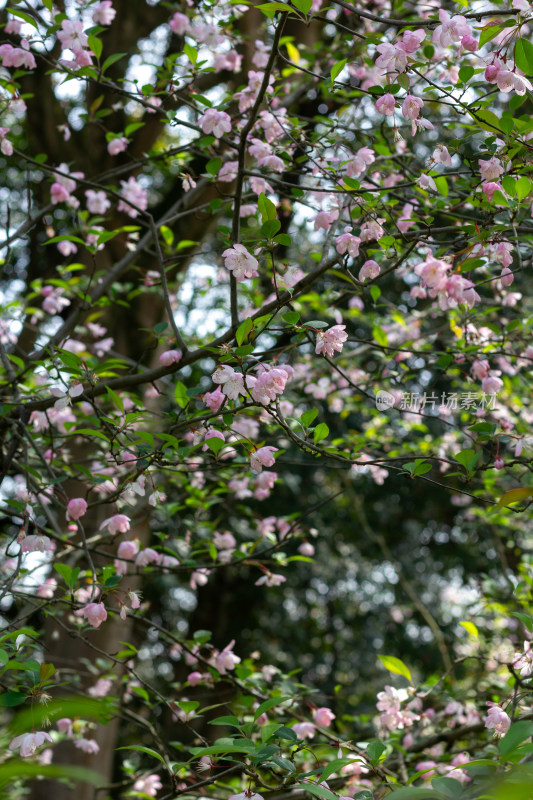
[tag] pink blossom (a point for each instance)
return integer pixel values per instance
(232, 381)
(524, 661)
(101, 688)
(76, 508)
(411, 107)
(304, 730)
(405, 222)
(369, 270)
(170, 357)
(372, 230)
(269, 383)
(442, 156)
(325, 219)
(490, 188)
(71, 35)
(64, 725)
(499, 463)
(29, 742)
(95, 614)
(502, 252)
(348, 243)
(271, 579)
(386, 104)
(362, 159)
(411, 40)
(392, 58)
(58, 193)
(263, 484)
(87, 745)
(216, 122)
(427, 182)
(47, 589)
(104, 13)
(97, 202)
(226, 660)
(240, 262)
(147, 556)
(149, 784)
(507, 80)
(506, 277)
(228, 171)
(214, 400)
(331, 341)
(179, 24)
(469, 43)
(128, 549)
(263, 457)
(13, 26)
(491, 169)
(323, 717)
(306, 549)
(117, 145)
(67, 248)
(118, 523)
(195, 678)
(16, 57)
(451, 29)
(133, 195)
(498, 720)
(480, 369)
(36, 543)
(492, 384)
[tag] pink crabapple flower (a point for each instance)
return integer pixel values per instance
(304, 730)
(524, 661)
(499, 463)
(170, 357)
(270, 579)
(117, 145)
(451, 29)
(118, 523)
(263, 457)
(226, 660)
(240, 262)
(76, 508)
(133, 195)
(29, 742)
(36, 543)
(71, 35)
(87, 745)
(179, 23)
(214, 400)
(506, 277)
(347, 243)
(95, 614)
(386, 104)
(497, 719)
(64, 725)
(368, 271)
(327, 342)
(323, 717)
(149, 785)
(104, 13)
(97, 202)
(232, 382)
(216, 122)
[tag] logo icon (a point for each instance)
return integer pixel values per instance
(384, 400)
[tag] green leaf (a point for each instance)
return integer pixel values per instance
(337, 68)
(180, 394)
(95, 45)
(115, 399)
(442, 185)
(470, 628)
(112, 59)
(270, 228)
(233, 721)
(523, 187)
(243, 330)
(396, 666)
(375, 749)
(509, 184)
(215, 444)
(266, 208)
(465, 73)
(291, 317)
(146, 750)
(10, 699)
(167, 235)
(24, 16)
(380, 336)
(375, 292)
(334, 766)
(488, 33)
(321, 432)
(488, 121)
(24, 769)
(268, 704)
(283, 239)
(284, 763)
(309, 416)
(213, 166)
(319, 791)
(514, 496)
(191, 53)
(517, 733)
(448, 787)
(303, 5)
(523, 56)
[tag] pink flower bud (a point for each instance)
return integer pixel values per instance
(469, 43)
(499, 463)
(76, 508)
